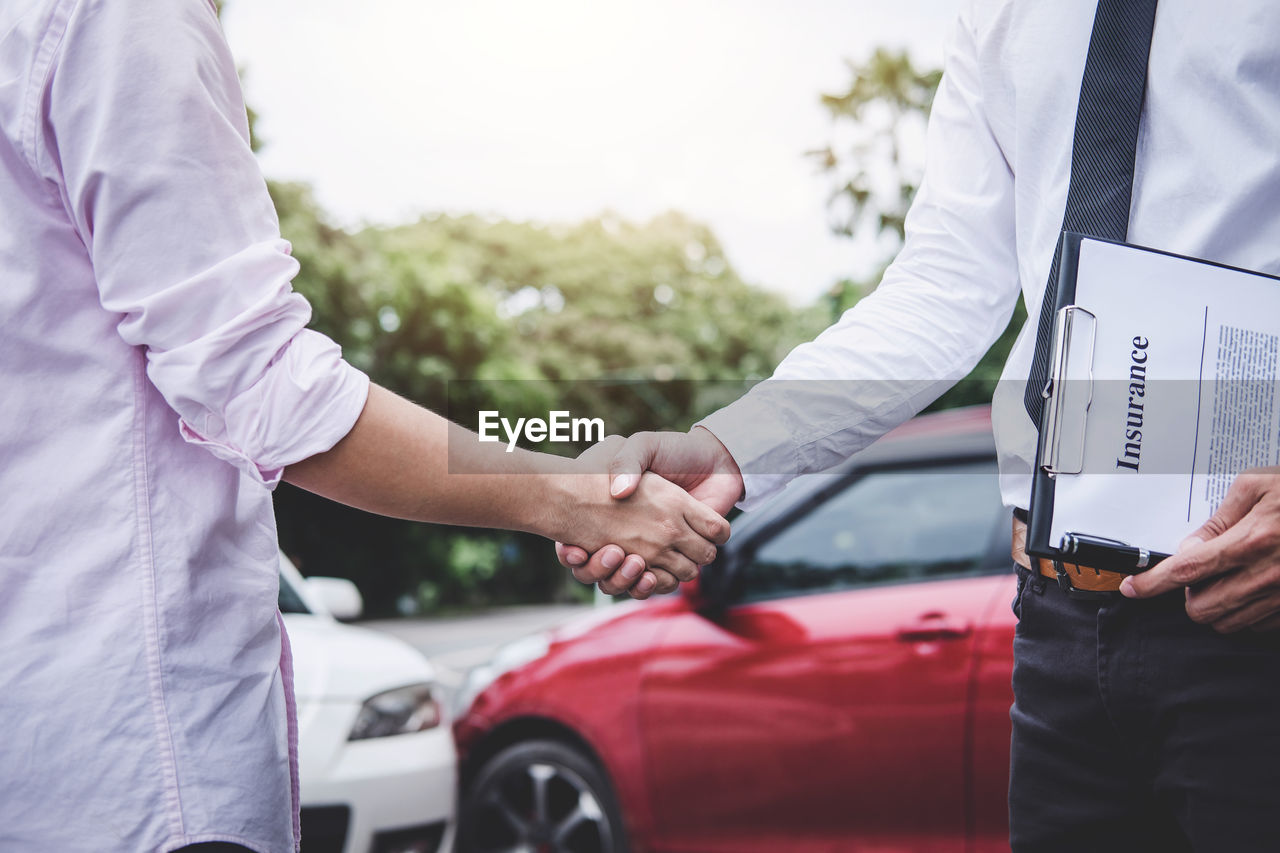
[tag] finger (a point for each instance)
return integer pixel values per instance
(601, 565)
(707, 523)
(571, 556)
(630, 462)
(1197, 562)
(666, 582)
(645, 586)
(1245, 616)
(692, 547)
(1212, 602)
(1270, 623)
(625, 577)
(662, 583)
(678, 565)
(1240, 498)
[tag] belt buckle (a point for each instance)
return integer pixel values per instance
(1064, 583)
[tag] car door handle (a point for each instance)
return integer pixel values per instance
(932, 627)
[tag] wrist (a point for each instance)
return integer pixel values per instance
(724, 463)
(553, 503)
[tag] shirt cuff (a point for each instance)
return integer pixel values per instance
(308, 399)
(760, 442)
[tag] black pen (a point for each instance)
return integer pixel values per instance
(1110, 554)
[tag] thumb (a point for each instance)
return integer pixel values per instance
(571, 556)
(630, 462)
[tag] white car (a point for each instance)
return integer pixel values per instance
(376, 758)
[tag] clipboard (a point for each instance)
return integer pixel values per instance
(1071, 389)
(1060, 449)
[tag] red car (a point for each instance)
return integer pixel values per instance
(840, 680)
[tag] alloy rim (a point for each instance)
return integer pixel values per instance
(540, 808)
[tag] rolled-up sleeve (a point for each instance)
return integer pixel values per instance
(941, 304)
(141, 124)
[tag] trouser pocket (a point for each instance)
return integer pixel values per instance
(1024, 575)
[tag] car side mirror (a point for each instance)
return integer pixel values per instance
(338, 596)
(712, 594)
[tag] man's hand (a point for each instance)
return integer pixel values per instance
(1230, 567)
(695, 461)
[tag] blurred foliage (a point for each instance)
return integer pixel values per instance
(460, 313)
(878, 119)
(886, 103)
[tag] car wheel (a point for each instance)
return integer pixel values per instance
(541, 796)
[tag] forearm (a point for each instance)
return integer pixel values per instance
(396, 461)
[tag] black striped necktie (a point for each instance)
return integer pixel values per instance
(1102, 152)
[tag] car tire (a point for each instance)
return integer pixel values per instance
(544, 796)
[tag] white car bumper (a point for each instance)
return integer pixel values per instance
(398, 791)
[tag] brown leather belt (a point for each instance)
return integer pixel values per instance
(1081, 577)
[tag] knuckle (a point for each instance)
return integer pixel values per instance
(1268, 578)
(633, 445)
(1215, 526)
(1185, 574)
(1258, 541)
(1197, 611)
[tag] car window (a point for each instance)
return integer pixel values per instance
(889, 526)
(290, 601)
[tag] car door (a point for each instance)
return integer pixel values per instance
(826, 708)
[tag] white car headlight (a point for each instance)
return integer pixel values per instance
(513, 655)
(397, 712)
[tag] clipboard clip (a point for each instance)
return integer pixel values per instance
(1070, 322)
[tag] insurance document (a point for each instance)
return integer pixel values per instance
(1169, 390)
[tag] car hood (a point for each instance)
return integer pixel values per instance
(584, 624)
(336, 661)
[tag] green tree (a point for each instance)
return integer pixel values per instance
(878, 121)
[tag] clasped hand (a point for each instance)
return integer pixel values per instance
(695, 462)
(1230, 567)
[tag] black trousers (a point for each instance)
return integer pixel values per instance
(1135, 729)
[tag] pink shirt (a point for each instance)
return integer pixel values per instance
(157, 378)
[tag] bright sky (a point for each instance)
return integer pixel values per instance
(560, 109)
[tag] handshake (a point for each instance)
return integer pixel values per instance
(664, 517)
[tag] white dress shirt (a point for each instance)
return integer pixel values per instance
(986, 219)
(156, 381)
